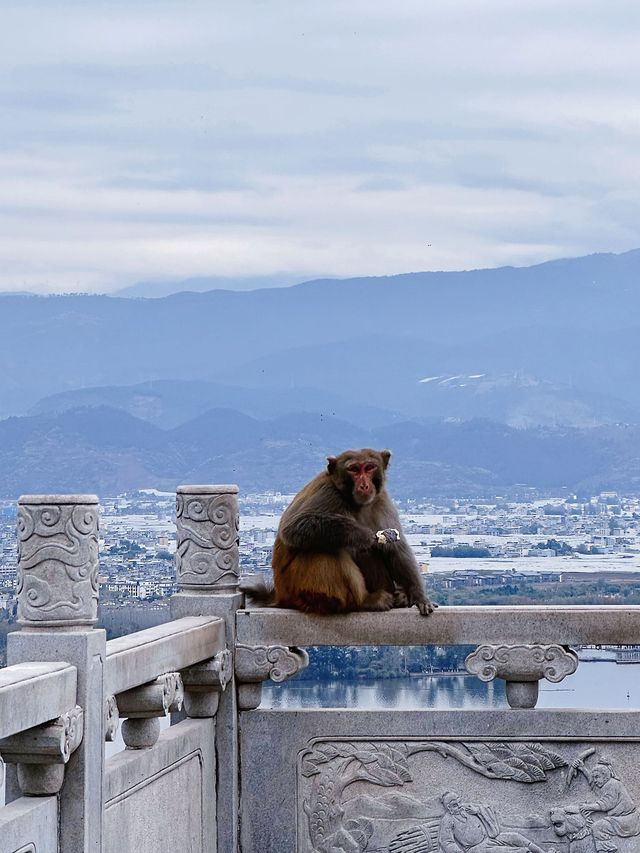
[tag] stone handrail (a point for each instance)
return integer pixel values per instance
(139, 658)
(570, 625)
(34, 693)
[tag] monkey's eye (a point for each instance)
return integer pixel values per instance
(370, 468)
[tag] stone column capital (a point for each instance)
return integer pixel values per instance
(207, 524)
(58, 561)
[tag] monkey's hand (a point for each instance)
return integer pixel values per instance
(426, 607)
(422, 602)
(387, 536)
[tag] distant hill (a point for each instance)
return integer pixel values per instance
(168, 403)
(200, 284)
(570, 324)
(108, 451)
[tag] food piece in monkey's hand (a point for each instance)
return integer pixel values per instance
(391, 534)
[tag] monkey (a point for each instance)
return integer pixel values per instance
(339, 546)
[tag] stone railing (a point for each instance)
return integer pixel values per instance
(230, 775)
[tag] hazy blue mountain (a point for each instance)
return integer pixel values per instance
(168, 403)
(499, 377)
(572, 323)
(200, 284)
(109, 451)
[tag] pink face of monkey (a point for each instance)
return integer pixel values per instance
(363, 474)
(360, 474)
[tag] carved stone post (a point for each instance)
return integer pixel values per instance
(522, 667)
(58, 561)
(207, 564)
(57, 608)
(207, 522)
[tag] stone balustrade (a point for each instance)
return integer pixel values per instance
(229, 775)
(142, 657)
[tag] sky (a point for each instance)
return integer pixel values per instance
(159, 140)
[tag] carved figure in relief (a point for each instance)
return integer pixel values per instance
(620, 817)
(339, 545)
(342, 818)
(474, 828)
(571, 825)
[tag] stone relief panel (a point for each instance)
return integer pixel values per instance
(58, 560)
(455, 796)
(207, 538)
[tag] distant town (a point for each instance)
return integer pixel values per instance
(460, 544)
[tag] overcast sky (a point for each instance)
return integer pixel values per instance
(158, 140)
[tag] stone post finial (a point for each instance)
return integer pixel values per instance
(207, 522)
(57, 561)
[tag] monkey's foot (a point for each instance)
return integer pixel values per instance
(400, 598)
(380, 600)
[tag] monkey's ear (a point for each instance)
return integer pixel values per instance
(386, 456)
(331, 466)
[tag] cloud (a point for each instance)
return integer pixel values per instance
(189, 138)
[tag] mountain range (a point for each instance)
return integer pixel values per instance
(538, 360)
(107, 450)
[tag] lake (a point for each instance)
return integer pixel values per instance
(619, 684)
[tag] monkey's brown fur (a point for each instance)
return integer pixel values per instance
(327, 557)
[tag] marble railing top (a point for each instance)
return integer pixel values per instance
(33, 693)
(564, 625)
(217, 489)
(58, 499)
(138, 658)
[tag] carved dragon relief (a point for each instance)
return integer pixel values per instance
(580, 803)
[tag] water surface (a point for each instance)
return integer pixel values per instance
(600, 684)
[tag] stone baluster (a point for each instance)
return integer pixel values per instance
(255, 664)
(57, 609)
(207, 565)
(522, 667)
(41, 753)
(143, 706)
(203, 684)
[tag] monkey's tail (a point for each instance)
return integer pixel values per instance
(259, 590)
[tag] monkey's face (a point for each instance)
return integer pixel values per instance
(359, 474)
(363, 476)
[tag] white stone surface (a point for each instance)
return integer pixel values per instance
(42, 691)
(570, 625)
(138, 658)
(163, 798)
(29, 825)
